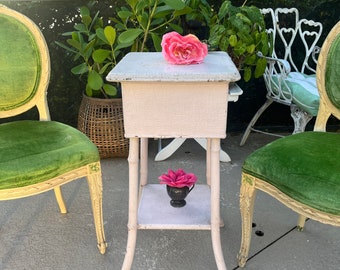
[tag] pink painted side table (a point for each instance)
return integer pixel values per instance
(161, 100)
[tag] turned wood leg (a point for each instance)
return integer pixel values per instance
(247, 198)
(94, 179)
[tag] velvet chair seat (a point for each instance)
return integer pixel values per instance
(304, 166)
(35, 151)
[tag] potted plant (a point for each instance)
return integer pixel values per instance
(241, 32)
(95, 50)
(141, 24)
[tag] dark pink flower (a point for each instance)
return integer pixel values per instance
(183, 50)
(178, 179)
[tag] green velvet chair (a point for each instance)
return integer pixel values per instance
(38, 155)
(303, 170)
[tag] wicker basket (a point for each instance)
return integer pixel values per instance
(102, 121)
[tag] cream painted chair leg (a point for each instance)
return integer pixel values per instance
(301, 222)
(133, 203)
(94, 180)
(247, 198)
(60, 200)
(254, 120)
(215, 203)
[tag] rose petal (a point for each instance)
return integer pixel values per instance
(178, 178)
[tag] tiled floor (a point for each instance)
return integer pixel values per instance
(34, 235)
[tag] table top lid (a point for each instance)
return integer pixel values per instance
(151, 66)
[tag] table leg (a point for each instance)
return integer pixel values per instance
(215, 204)
(224, 157)
(144, 162)
(171, 148)
(167, 151)
(208, 162)
(133, 160)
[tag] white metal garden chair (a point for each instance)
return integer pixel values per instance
(290, 73)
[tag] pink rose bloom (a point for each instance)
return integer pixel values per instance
(178, 179)
(183, 50)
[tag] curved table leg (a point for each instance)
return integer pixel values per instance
(176, 143)
(169, 149)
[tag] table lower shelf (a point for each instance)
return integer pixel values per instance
(155, 211)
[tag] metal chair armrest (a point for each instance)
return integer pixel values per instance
(281, 63)
(275, 78)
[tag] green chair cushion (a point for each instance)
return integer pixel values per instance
(303, 90)
(304, 166)
(35, 151)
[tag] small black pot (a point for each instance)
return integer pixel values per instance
(178, 195)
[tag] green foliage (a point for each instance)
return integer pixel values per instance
(142, 23)
(201, 11)
(95, 49)
(240, 31)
